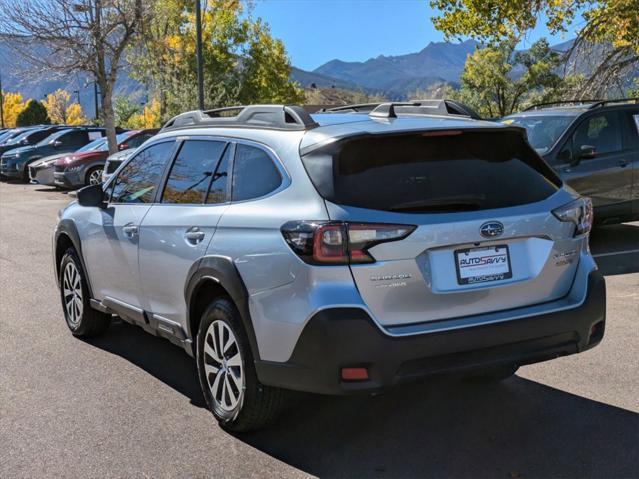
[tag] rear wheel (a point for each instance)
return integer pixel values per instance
(94, 176)
(82, 320)
(227, 374)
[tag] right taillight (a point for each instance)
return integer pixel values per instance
(338, 242)
(578, 212)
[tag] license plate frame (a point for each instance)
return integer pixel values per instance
(499, 250)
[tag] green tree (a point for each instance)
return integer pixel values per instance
(124, 110)
(497, 80)
(34, 113)
(613, 24)
(242, 62)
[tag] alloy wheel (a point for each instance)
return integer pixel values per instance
(72, 291)
(95, 178)
(224, 368)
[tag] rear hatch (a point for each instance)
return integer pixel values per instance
(478, 203)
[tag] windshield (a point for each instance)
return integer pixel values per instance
(543, 131)
(6, 135)
(93, 146)
(51, 137)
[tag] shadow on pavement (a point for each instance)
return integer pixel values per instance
(158, 357)
(441, 428)
(616, 248)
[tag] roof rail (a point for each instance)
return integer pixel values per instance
(415, 107)
(589, 104)
(276, 117)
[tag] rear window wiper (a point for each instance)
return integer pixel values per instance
(446, 203)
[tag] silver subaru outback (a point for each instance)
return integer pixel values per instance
(339, 252)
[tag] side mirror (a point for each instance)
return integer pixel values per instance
(56, 144)
(123, 146)
(587, 151)
(92, 195)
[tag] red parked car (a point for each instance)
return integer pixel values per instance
(85, 168)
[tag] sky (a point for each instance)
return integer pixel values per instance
(316, 31)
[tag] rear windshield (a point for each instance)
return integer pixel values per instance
(422, 173)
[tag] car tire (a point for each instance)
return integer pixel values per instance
(81, 318)
(494, 373)
(93, 176)
(227, 372)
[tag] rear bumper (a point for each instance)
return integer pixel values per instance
(347, 337)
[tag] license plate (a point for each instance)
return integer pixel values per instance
(479, 265)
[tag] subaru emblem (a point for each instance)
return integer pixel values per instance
(491, 229)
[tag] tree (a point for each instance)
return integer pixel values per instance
(149, 117)
(497, 80)
(87, 36)
(33, 114)
(242, 62)
(62, 111)
(124, 109)
(613, 24)
(11, 108)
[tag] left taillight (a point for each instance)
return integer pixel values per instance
(578, 212)
(338, 242)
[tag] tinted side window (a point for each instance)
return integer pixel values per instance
(74, 138)
(219, 183)
(254, 173)
(139, 179)
(192, 171)
(138, 140)
(39, 136)
(601, 131)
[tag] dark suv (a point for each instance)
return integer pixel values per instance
(594, 146)
(15, 163)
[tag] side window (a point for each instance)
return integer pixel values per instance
(219, 183)
(138, 140)
(192, 172)
(37, 136)
(139, 179)
(254, 173)
(601, 131)
(74, 138)
(630, 130)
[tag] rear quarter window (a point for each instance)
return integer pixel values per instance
(422, 173)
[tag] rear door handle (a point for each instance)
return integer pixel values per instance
(130, 230)
(623, 163)
(194, 236)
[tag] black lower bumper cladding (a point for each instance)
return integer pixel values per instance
(347, 337)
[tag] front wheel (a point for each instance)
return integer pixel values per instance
(94, 176)
(82, 320)
(227, 374)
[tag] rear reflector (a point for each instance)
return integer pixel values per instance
(354, 374)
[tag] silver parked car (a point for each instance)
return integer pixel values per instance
(114, 161)
(334, 253)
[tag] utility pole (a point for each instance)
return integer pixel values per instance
(1, 104)
(200, 72)
(95, 98)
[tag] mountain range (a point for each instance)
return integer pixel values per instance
(392, 77)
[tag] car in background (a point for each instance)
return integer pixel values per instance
(81, 169)
(41, 171)
(15, 162)
(594, 146)
(114, 161)
(28, 136)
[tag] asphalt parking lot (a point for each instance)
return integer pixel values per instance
(128, 404)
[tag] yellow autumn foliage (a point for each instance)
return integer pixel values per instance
(11, 108)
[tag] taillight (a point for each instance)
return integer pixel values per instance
(337, 242)
(578, 212)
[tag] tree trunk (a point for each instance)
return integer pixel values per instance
(108, 115)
